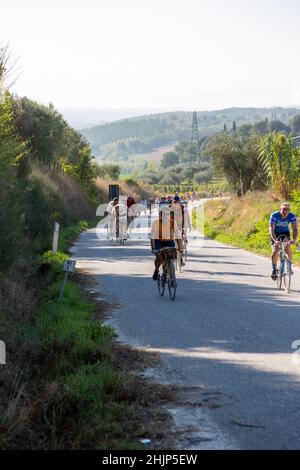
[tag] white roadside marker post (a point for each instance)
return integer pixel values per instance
(2, 353)
(69, 267)
(55, 238)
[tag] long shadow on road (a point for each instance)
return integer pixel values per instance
(230, 339)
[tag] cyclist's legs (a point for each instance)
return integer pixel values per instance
(158, 261)
(275, 252)
(276, 248)
(158, 257)
(159, 244)
(288, 250)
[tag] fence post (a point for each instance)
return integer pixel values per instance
(55, 238)
(2, 353)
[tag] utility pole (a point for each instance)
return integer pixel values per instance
(241, 184)
(195, 137)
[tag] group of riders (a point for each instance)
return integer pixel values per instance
(170, 228)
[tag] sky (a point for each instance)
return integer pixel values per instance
(156, 54)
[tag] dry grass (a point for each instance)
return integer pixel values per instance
(239, 215)
(139, 190)
(73, 198)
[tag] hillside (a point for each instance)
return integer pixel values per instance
(143, 134)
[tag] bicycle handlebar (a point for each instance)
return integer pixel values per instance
(285, 241)
(165, 249)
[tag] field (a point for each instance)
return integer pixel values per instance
(156, 155)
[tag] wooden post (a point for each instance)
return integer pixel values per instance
(55, 238)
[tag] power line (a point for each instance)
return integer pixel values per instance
(194, 137)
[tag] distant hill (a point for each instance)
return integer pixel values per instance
(143, 134)
(88, 117)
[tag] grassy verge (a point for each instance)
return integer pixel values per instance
(68, 235)
(66, 384)
(244, 222)
(84, 400)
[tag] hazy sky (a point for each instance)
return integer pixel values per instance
(193, 54)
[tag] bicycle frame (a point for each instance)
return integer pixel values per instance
(284, 271)
(168, 271)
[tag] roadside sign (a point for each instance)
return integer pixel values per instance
(69, 265)
(114, 191)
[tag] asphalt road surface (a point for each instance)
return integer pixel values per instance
(227, 337)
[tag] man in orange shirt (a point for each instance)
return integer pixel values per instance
(164, 233)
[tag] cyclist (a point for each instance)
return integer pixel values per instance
(182, 217)
(110, 213)
(279, 229)
(181, 213)
(131, 207)
(151, 204)
(164, 233)
(163, 202)
(119, 217)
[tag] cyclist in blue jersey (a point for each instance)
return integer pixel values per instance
(279, 229)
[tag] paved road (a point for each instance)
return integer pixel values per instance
(228, 335)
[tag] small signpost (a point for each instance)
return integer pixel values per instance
(69, 267)
(55, 238)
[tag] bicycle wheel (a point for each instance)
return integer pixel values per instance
(172, 285)
(287, 277)
(280, 270)
(161, 283)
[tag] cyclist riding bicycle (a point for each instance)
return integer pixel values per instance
(279, 230)
(181, 214)
(182, 218)
(164, 233)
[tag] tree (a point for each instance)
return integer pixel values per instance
(108, 171)
(85, 169)
(278, 126)
(295, 125)
(281, 162)
(245, 130)
(238, 161)
(261, 127)
(51, 138)
(169, 159)
(203, 176)
(7, 68)
(13, 151)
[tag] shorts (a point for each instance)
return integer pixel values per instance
(281, 237)
(159, 244)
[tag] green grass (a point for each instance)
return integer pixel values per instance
(72, 355)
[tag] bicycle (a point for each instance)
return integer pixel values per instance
(283, 268)
(116, 233)
(167, 272)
